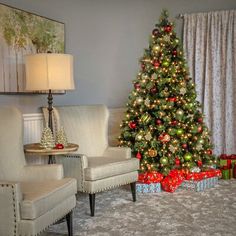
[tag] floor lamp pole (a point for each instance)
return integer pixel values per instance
(50, 101)
(50, 125)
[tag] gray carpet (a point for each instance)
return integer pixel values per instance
(212, 212)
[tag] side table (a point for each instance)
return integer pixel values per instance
(35, 148)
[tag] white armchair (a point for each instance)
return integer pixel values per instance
(31, 197)
(96, 166)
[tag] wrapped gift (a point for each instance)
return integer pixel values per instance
(149, 182)
(226, 172)
(148, 188)
(150, 177)
(197, 176)
(171, 182)
(227, 160)
(199, 185)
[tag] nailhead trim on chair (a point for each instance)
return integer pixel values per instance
(14, 210)
(14, 204)
(82, 180)
(108, 188)
(50, 224)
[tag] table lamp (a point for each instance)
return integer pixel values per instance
(49, 71)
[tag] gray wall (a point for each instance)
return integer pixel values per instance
(107, 38)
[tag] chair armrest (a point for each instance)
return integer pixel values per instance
(79, 158)
(118, 152)
(42, 172)
(10, 198)
(74, 166)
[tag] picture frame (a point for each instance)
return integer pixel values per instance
(23, 33)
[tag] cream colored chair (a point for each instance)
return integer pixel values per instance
(31, 197)
(96, 166)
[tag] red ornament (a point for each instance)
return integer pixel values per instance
(199, 163)
(155, 32)
(165, 138)
(137, 86)
(172, 99)
(174, 53)
(168, 28)
(59, 146)
(132, 124)
(200, 120)
(184, 145)
(156, 63)
(199, 129)
(153, 90)
(158, 122)
(177, 161)
(174, 122)
(209, 152)
(138, 155)
(143, 66)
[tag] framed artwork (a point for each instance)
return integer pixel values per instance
(24, 33)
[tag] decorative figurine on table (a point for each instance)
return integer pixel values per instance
(61, 139)
(47, 140)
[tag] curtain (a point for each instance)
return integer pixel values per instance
(209, 42)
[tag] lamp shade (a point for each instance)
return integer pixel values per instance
(46, 71)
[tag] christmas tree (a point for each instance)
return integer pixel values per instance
(61, 137)
(164, 125)
(47, 140)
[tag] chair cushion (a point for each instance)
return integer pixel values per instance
(41, 197)
(104, 167)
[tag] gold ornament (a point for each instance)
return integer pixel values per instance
(148, 136)
(166, 38)
(154, 76)
(145, 118)
(152, 152)
(147, 102)
(183, 90)
(156, 48)
(172, 148)
(199, 147)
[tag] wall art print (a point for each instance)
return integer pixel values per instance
(24, 33)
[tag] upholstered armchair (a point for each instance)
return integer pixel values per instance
(31, 197)
(96, 166)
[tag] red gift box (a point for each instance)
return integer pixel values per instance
(150, 177)
(171, 182)
(203, 175)
(225, 157)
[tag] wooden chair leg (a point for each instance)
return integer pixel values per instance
(69, 221)
(92, 203)
(133, 190)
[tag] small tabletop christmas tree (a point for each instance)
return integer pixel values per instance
(163, 125)
(47, 140)
(61, 138)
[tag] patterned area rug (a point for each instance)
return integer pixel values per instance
(212, 212)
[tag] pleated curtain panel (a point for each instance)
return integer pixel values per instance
(209, 41)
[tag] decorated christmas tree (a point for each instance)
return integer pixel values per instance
(47, 140)
(164, 125)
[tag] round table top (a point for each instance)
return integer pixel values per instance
(36, 148)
